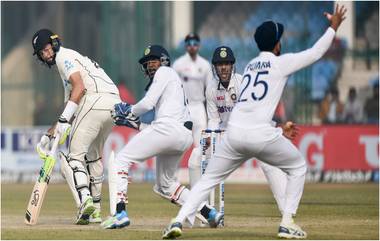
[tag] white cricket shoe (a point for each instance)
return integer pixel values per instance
(291, 231)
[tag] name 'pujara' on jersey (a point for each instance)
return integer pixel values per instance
(258, 65)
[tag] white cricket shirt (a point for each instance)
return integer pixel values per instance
(94, 78)
(221, 101)
(166, 95)
(264, 79)
(195, 76)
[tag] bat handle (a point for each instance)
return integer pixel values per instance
(55, 144)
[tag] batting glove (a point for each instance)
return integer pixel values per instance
(63, 128)
(43, 146)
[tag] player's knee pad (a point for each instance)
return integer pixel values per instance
(95, 171)
(80, 175)
(96, 187)
(68, 173)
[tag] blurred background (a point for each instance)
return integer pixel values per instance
(115, 34)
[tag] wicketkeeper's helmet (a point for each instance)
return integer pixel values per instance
(155, 52)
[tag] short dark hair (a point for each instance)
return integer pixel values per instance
(192, 36)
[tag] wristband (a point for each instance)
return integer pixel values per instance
(69, 110)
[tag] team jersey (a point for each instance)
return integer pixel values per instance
(220, 101)
(264, 79)
(195, 76)
(166, 96)
(94, 78)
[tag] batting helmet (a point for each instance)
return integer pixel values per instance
(43, 37)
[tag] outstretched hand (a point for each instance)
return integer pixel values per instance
(337, 18)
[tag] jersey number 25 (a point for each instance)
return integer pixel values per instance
(258, 82)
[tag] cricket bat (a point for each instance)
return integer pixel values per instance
(39, 190)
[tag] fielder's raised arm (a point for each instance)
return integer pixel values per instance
(293, 62)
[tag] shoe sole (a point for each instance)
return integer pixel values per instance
(290, 236)
(125, 224)
(84, 218)
(173, 233)
(116, 226)
(95, 220)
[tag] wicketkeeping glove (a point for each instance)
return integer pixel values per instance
(135, 124)
(123, 116)
(122, 109)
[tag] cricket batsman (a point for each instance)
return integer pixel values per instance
(89, 97)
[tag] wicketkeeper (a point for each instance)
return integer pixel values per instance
(166, 138)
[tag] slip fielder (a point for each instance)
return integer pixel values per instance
(196, 74)
(221, 97)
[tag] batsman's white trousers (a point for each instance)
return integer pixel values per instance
(167, 140)
(91, 127)
(199, 118)
(239, 145)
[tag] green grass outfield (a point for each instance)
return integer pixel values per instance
(327, 211)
